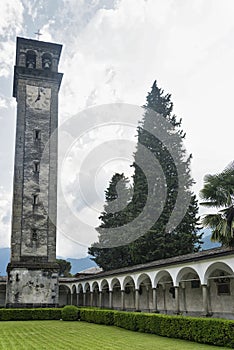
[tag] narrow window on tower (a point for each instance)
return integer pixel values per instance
(36, 166)
(35, 199)
(37, 135)
(34, 234)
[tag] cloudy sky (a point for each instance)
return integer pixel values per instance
(113, 50)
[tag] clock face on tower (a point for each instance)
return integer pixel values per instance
(38, 97)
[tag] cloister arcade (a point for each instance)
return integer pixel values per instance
(199, 284)
(201, 287)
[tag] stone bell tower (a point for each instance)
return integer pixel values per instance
(32, 271)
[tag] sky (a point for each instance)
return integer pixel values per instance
(113, 50)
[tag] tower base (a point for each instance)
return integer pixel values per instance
(32, 286)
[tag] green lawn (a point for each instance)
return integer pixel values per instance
(60, 335)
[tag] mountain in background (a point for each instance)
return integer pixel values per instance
(77, 264)
(85, 263)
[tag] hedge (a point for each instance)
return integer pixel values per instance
(97, 316)
(70, 313)
(201, 330)
(30, 314)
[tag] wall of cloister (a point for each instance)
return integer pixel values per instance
(200, 284)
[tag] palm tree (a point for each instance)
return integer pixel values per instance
(218, 192)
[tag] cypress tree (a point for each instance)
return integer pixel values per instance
(114, 215)
(159, 242)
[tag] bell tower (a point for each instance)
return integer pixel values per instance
(32, 271)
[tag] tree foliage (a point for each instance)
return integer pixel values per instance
(114, 215)
(64, 267)
(158, 242)
(218, 192)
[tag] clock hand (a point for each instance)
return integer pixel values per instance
(38, 96)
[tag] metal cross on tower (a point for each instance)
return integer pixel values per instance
(38, 33)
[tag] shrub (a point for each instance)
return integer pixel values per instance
(97, 316)
(202, 330)
(30, 314)
(70, 313)
(127, 320)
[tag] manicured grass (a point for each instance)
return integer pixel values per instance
(60, 335)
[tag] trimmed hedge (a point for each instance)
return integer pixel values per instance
(70, 313)
(201, 330)
(97, 316)
(30, 314)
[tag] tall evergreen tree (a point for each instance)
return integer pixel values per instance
(159, 242)
(114, 215)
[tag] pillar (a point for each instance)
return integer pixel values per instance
(84, 298)
(164, 298)
(205, 299)
(91, 299)
(155, 306)
(122, 300)
(177, 301)
(137, 299)
(147, 298)
(71, 298)
(183, 286)
(100, 298)
(77, 298)
(110, 299)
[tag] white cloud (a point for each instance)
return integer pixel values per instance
(11, 18)
(113, 50)
(7, 54)
(3, 103)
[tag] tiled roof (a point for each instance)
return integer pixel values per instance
(204, 254)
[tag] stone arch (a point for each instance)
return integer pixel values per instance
(31, 59)
(163, 276)
(104, 284)
(80, 288)
(165, 291)
(73, 295)
(64, 295)
(73, 288)
(129, 293)
(142, 278)
(80, 298)
(116, 291)
(187, 273)
(144, 285)
(46, 61)
(96, 290)
(128, 280)
(190, 290)
(220, 288)
(104, 287)
(115, 282)
(87, 291)
(215, 268)
(87, 287)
